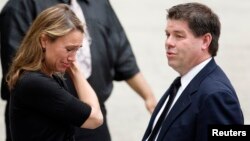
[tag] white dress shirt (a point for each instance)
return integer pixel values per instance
(83, 55)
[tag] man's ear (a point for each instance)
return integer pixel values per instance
(207, 39)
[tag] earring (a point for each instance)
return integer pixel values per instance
(44, 49)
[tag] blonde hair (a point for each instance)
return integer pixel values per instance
(53, 22)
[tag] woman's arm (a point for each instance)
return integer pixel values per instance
(87, 95)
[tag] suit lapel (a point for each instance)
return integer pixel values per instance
(181, 104)
(154, 114)
(185, 100)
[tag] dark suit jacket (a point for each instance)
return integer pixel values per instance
(208, 99)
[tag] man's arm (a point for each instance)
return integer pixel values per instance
(139, 84)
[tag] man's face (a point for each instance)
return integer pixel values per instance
(183, 49)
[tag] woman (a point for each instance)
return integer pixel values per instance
(41, 108)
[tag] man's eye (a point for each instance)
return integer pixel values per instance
(179, 36)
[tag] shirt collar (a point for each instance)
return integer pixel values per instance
(185, 79)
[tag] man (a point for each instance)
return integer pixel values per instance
(204, 95)
(111, 55)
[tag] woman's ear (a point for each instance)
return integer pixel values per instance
(43, 41)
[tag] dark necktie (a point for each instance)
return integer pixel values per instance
(172, 92)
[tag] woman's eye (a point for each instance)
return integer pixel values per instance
(70, 49)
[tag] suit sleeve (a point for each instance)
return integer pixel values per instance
(218, 108)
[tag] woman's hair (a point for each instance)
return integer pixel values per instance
(53, 22)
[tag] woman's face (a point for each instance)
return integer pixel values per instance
(59, 54)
